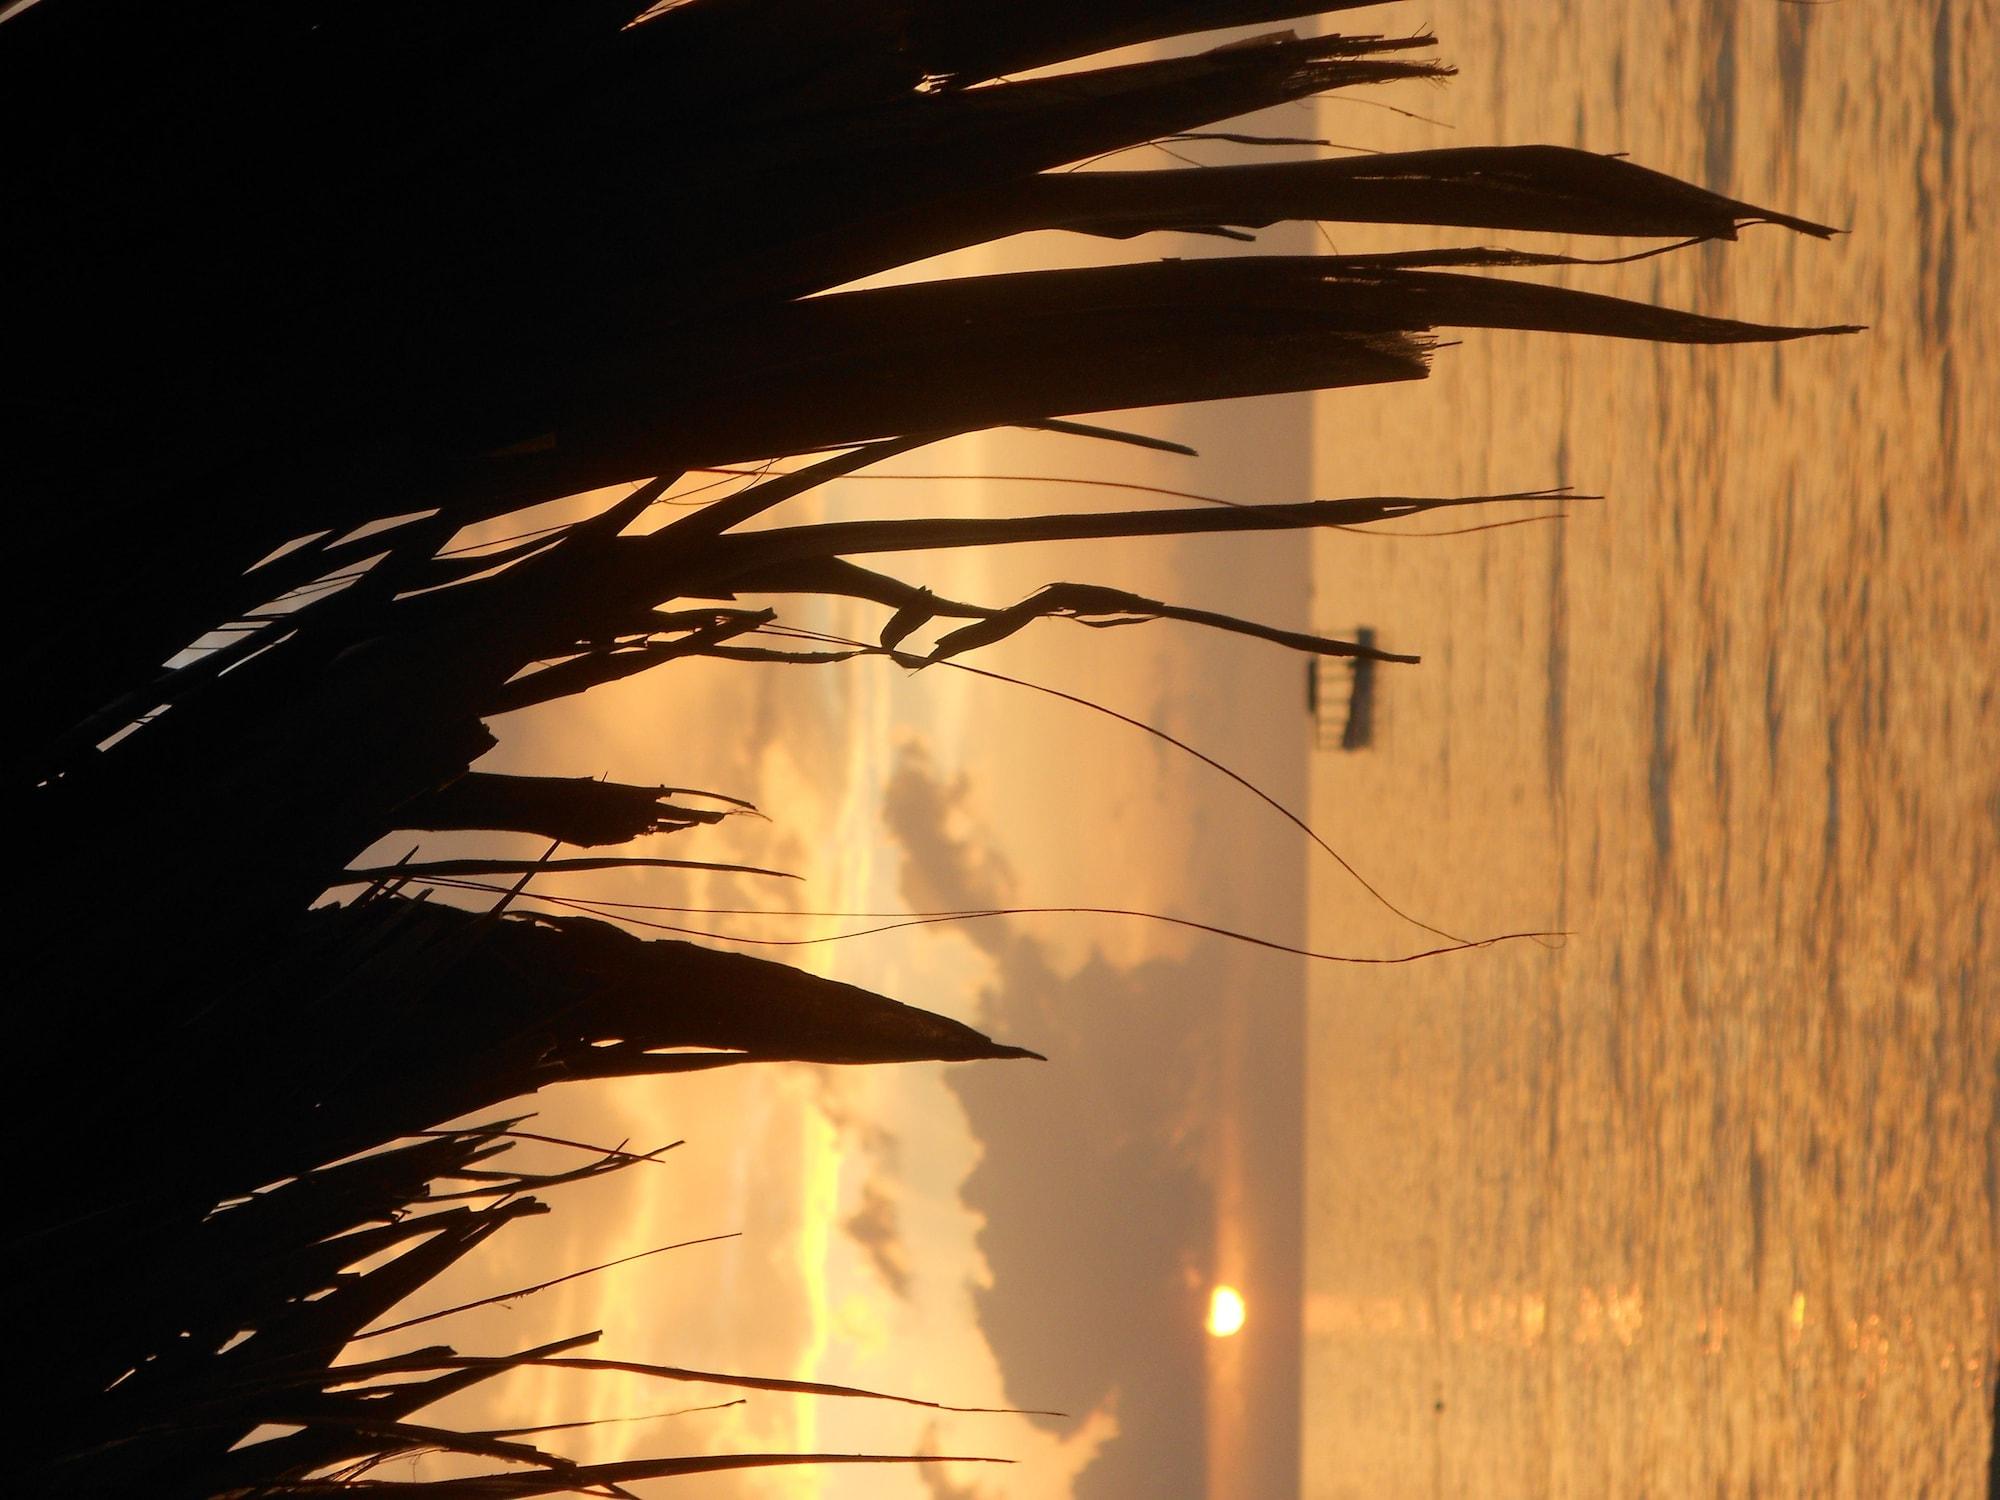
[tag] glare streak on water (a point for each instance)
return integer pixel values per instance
(1704, 1203)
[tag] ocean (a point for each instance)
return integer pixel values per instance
(1700, 1198)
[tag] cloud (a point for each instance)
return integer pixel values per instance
(873, 1227)
(942, 870)
(1093, 1183)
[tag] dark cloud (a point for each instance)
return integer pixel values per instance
(1095, 1180)
(942, 871)
(873, 1226)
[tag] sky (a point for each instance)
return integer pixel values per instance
(1019, 1234)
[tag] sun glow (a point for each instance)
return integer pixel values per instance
(1225, 1311)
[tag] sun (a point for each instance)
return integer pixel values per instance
(1225, 1311)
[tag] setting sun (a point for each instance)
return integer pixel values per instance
(1225, 1311)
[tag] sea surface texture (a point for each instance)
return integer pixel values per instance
(1702, 1201)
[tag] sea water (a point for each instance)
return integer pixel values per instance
(1701, 1201)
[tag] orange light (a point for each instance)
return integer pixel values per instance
(1225, 1311)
